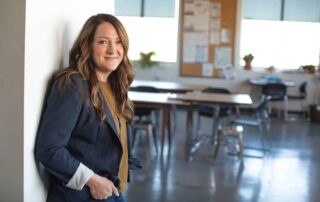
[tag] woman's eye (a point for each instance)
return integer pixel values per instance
(103, 42)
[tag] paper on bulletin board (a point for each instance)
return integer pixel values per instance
(202, 53)
(214, 37)
(222, 57)
(202, 7)
(216, 9)
(195, 47)
(228, 72)
(189, 6)
(189, 24)
(207, 69)
(196, 15)
(188, 16)
(215, 24)
(195, 24)
(225, 35)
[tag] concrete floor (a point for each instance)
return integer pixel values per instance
(289, 172)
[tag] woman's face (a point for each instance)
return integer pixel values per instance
(107, 50)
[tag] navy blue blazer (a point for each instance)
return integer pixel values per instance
(71, 132)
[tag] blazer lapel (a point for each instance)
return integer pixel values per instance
(110, 119)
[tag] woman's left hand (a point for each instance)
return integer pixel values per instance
(101, 187)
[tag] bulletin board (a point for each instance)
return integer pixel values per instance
(207, 44)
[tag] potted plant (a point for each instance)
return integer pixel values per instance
(146, 60)
(248, 60)
(308, 68)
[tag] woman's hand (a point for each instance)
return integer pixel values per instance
(101, 187)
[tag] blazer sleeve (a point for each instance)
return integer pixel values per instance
(134, 163)
(58, 121)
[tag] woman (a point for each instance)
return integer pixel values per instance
(83, 138)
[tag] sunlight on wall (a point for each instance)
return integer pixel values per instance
(152, 34)
(286, 45)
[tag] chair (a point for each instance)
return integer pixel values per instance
(234, 147)
(146, 119)
(206, 110)
(301, 96)
(277, 92)
(235, 130)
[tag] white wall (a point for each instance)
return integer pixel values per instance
(51, 27)
(11, 102)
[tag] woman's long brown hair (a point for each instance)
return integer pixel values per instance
(80, 61)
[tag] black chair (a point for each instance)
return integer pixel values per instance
(142, 111)
(258, 119)
(146, 118)
(301, 97)
(277, 92)
(206, 110)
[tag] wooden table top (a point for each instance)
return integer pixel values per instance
(166, 86)
(154, 98)
(217, 98)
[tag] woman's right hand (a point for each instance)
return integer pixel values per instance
(101, 187)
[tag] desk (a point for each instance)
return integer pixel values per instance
(165, 86)
(170, 87)
(159, 100)
(275, 92)
(261, 82)
(217, 100)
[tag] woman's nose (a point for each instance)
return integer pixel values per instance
(111, 48)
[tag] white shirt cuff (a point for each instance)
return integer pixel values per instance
(80, 177)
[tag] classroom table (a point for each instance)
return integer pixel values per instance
(161, 101)
(166, 86)
(262, 82)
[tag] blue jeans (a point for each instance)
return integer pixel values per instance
(115, 198)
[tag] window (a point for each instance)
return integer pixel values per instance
(305, 11)
(262, 9)
(290, 10)
(158, 34)
(287, 37)
(128, 8)
(159, 8)
(145, 8)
